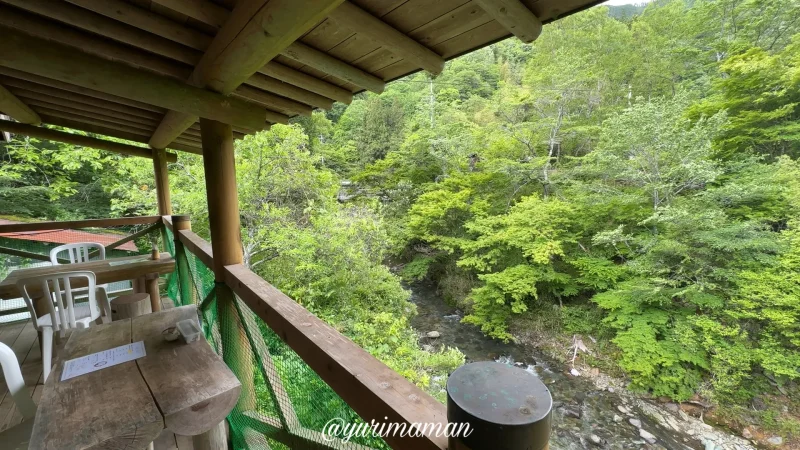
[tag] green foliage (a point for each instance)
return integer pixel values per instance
(638, 174)
(632, 175)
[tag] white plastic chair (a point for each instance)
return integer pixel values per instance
(16, 437)
(63, 313)
(77, 253)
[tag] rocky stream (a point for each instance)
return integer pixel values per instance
(588, 411)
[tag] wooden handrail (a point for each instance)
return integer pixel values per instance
(197, 246)
(371, 388)
(87, 223)
(167, 220)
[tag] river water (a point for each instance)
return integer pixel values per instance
(580, 408)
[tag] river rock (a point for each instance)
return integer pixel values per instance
(595, 439)
(617, 418)
(647, 436)
(775, 440)
(710, 445)
(622, 409)
(635, 422)
(433, 334)
(575, 373)
(747, 434)
(672, 407)
(574, 413)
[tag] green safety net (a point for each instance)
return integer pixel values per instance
(284, 403)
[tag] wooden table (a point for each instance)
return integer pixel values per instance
(105, 270)
(186, 388)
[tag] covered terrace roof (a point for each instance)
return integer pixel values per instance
(145, 70)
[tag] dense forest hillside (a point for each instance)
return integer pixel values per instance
(630, 176)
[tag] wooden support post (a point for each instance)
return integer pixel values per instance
(162, 182)
(226, 245)
(187, 287)
(162, 190)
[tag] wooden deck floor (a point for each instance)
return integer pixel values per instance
(23, 340)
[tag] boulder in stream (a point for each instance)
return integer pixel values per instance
(433, 334)
(595, 439)
(647, 436)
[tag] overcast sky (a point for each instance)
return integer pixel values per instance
(625, 2)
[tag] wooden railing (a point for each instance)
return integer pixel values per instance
(368, 386)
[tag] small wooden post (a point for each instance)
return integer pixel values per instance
(505, 407)
(226, 243)
(187, 287)
(162, 181)
(162, 188)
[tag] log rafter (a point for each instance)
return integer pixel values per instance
(13, 106)
(252, 35)
(77, 139)
(30, 54)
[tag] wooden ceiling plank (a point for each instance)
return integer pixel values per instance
(57, 32)
(146, 20)
(460, 20)
(488, 32)
(272, 101)
(77, 139)
(287, 90)
(305, 81)
(203, 11)
(91, 93)
(96, 23)
(12, 106)
(48, 59)
(253, 34)
(328, 64)
(351, 16)
(514, 17)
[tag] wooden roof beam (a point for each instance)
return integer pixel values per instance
(287, 90)
(161, 26)
(42, 83)
(96, 119)
(86, 103)
(356, 19)
(515, 17)
(255, 32)
(79, 109)
(77, 139)
(272, 101)
(306, 81)
(322, 61)
(113, 132)
(11, 105)
(63, 63)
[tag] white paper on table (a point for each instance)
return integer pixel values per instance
(101, 360)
